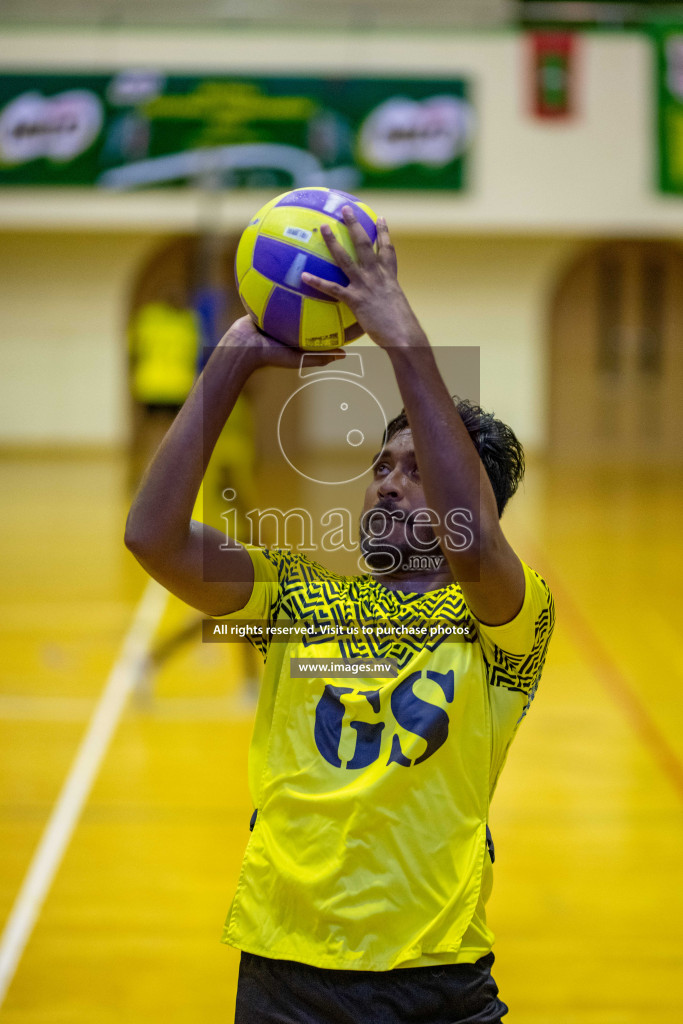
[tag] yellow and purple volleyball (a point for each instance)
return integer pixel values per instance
(281, 242)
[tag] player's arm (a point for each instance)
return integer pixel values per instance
(452, 474)
(179, 552)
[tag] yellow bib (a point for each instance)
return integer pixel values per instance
(369, 847)
(372, 795)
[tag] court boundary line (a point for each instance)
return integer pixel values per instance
(615, 682)
(41, 708)
(76, 788)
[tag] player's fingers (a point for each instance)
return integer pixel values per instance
(331, 288)
(359, 237)
(385, 248)
(286, 357)
(341, 257)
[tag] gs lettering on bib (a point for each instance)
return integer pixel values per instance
(407, 717)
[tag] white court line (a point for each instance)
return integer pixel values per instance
(40, 708)
(76, 789)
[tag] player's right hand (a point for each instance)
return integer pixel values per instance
(266, 351)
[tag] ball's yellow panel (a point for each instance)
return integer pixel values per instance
(245, 251)
(320, 325)
(255, 291)
(300, 228)
(347, 317)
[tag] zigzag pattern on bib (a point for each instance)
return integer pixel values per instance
(311, 593)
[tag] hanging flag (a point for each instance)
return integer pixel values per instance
(668, 41)
(553, 73)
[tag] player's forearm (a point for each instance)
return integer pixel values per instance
(160, 516)
(451, 471)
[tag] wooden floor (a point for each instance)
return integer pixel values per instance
(587, 904)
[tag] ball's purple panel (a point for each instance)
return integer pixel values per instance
(330, 201)
(284, 264)
(282, 316)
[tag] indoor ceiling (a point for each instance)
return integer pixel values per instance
(337, 14)
(384, 14)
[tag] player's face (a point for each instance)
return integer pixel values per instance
(394, 506)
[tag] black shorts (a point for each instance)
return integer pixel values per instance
(285, 992)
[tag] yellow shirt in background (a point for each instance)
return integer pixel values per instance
(165, 349)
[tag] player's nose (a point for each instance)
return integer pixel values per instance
(391, 486)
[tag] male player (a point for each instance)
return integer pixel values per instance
(362, 891)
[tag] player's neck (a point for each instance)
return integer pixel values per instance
(416, 582)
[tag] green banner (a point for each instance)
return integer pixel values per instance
(669, 49)
(136, 129)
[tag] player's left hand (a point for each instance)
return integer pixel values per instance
(373, 293)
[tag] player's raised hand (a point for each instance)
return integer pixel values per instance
(263, 350)
(373, 293)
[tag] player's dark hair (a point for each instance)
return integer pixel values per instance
(498, 447)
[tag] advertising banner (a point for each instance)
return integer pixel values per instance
(136, 129)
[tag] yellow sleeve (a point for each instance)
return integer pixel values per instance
(514, 655)
(265, 592)
(264, 600)
(527, 635)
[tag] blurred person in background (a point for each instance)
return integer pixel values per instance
(169, 342)
(164, 346)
